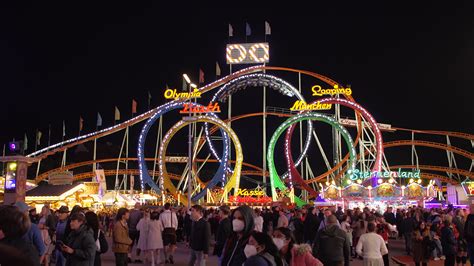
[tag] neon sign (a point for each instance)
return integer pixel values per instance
(199, 109)
(468, 187)
(357, 174)
(173, 94)
(318, 91)
(246, 192)
(301, 105)
(257, 195)
(247, 53)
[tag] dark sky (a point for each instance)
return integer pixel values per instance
(411, 66)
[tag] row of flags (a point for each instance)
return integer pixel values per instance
(39, 134)
(248, 30)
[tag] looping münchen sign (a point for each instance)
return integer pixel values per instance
(318, 91)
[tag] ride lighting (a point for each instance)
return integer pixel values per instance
(12, 166)
(186, 77)
(359, 181)
(419, 181)
(379, 181)
(403, 187)
(369, 187)
(327, 183)
(349, 181)
(333, 182)
(411, 180)
(391, 180)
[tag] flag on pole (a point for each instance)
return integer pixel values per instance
(81, 124)
(201, 76)
(117, 114)
(218, 69)
(64, 129)
(149, 100)
(231, 31)
(268, 30)
(99, 120)
(248, 31)
(25, 143)
(132, 183)
(184, 85)
(49, 135)
(134, 106)
(38, 137)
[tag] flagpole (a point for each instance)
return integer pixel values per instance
(94, 165)
(36, 140)
(3, 164)
(49, 135)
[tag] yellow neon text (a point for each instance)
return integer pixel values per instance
(318, 91)
(302, 106)
(173, 94)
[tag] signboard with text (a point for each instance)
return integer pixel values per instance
(247, 53)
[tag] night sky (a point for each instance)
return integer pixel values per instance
(410, 66)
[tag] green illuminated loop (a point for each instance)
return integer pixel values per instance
(275, 179)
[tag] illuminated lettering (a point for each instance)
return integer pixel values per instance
(357, 174)
(249, 193)
(318, 91)
(173, 94)
(198, 109)
(302, 106)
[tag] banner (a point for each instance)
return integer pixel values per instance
(100, 177)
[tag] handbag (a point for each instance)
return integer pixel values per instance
(104, 246)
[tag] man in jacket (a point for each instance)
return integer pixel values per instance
(223, 231)
(331, 245)
(200, 237)
(135, 215)
(80, 245)
(469, 233)
(33, 234)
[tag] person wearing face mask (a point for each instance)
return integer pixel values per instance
(261, 251)
(200, 237)
(242, 225)
(292, 253)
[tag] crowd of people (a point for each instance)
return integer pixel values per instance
(246, 236)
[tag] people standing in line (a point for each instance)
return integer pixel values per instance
(15, 249)
(121, 241)
(79, 247)
(371, 247)
(242, 226)
(448, 241)
(33, 234)
(291, 253)
(200, 239)
(135, 215)
(169, 220)
(331, 244)
(223, 231)
(258, 220)
(150, 241)
(261, 251)
(469, 233)
(92, 221)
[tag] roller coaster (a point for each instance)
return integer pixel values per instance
(362, 139)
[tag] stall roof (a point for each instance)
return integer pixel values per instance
(50, 190)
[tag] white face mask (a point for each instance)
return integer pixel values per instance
(250, 250)
(279, 243)
(238, 225)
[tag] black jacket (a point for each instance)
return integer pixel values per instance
(448, 242)
(200, 236)
(18, 252)
(468, 231)
(83, 243)
(331, 245)
(223, 232)
(310, 226)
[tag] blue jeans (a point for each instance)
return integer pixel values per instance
(60, 259)
(470, 252)
(197, 258)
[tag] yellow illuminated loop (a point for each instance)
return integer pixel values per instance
(242, 53)
(253, 52)
(234, 181)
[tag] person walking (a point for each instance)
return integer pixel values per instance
(92, 221)
(291, 253)
(79, 248)
(135, 215)
(169, 220)
(331, 244)
(448, 242)
(150, 241)
(63, 214)
(121, 241)
(371, 247)
(261, 251)
(200, 237)
(421, 245)
(223, 231)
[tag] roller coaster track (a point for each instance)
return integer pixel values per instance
(437, 169)
(435, 145)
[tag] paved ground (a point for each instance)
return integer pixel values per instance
(396, 248)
